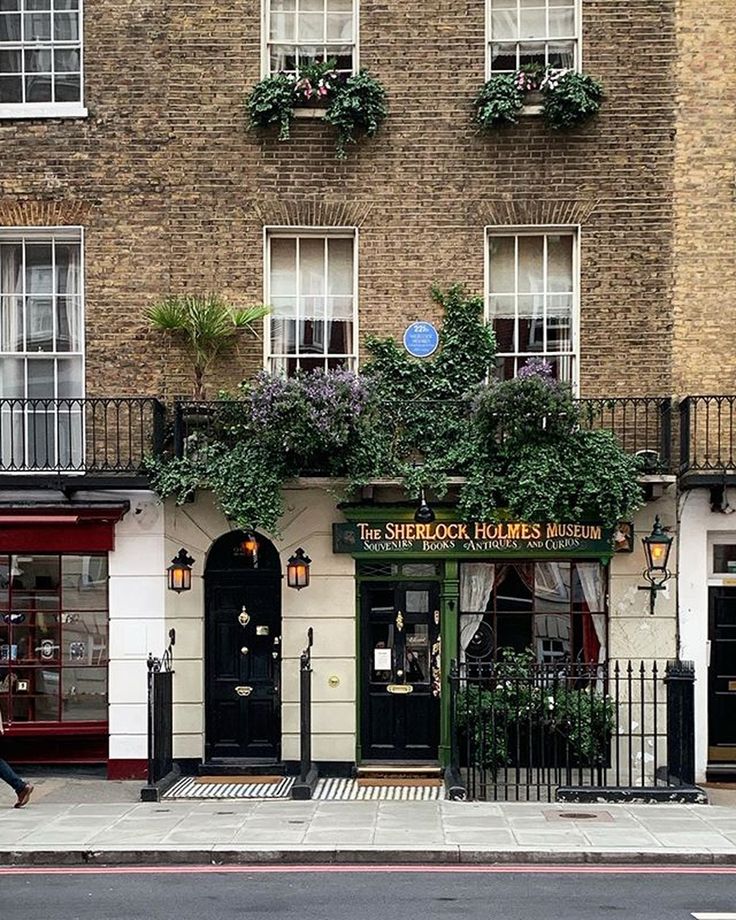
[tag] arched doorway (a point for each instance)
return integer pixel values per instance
(242, 651)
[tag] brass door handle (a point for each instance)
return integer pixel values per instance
(244, 691)
(399, 621)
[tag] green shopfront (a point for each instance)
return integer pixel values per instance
(429, 594)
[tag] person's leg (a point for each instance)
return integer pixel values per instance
(8, 774)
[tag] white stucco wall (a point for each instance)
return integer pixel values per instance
(699, 527)
(137, 590)
(328, 605)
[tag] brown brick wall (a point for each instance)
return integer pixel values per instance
(705, 206)
(176, 191)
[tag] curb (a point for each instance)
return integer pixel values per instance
(224, 856)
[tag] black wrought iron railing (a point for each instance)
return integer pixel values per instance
(522, 734)
(708, 434)
(642, 425)
(95, 435)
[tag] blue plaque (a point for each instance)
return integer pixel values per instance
(421, 340)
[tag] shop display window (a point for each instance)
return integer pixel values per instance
(555, 609)
(53, 638)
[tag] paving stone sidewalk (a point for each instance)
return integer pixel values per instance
(174, 832)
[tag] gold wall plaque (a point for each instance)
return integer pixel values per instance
(400, 688)
(732, 685)
(244, 691)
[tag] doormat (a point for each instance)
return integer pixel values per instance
(332, 790)
(240, 780)
(191, 788)
(353, 791)
(420, 781)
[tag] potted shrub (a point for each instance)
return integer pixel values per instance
(354, 105)
(207, 324)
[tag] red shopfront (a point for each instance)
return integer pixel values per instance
(54, 613)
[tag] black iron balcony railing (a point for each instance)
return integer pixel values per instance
(96, 435)
(708, 434)
(642, 425)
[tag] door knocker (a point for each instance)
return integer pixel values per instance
(243, 617)
(244, 691)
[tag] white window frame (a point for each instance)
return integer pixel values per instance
(541, 230)
(50, 109)
(578, 38)
(266, 31)
(57, 234)
(269, 232)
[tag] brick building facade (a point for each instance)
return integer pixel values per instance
(174, 194)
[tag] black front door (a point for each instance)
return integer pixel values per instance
(400, 704)
(243, 638)
(722, 675)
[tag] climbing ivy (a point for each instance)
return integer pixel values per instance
(519, 445)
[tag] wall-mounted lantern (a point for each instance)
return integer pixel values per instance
(657, 546)
(180, 572)
(297, 570)
(250, 548)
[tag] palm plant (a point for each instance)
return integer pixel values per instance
(207, 324)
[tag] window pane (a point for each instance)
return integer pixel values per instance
(561, 54)
(283, 27)
(12, 380)
(561, 23)
(84, 637)
(283, 6)
(559, 265)
(502, 265)
(9, 28)
(532, 23)
(339, 27)
(66, 60)
(70, 378)
(340, 6)
(10, 61)
(310, 27)
(38, 61)
(282, 58)
(283, 267)
(504, 24)
(502, 316)
(312, 266)
(11, 323)
(67, 88)
(312, 6)
(84, 582)
(531, 263)
(531, 324)
(552, 638)
(311, 337)
(66, 27)
(37, 27)
(340, 338)
(531, 54)
(39, 279)
(283, 336)
(340, 261)
(11, 89)
(551, 586)
(39, 324)
(40, 379)
(84, 694)
(38, 88)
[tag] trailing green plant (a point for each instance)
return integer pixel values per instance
(272, 102)
(499, 102)
(354, 105)
(357, 109)
(520, 702)
(207, 324)
(520, 445)
(570, 98)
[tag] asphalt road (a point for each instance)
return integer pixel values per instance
(329, 894)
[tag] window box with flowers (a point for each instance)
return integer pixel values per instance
(565, 97)
(355, 105)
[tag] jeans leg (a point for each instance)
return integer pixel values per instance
(8, 774)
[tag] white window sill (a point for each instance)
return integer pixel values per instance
(531, 110)
(43, 110)
(309, 113)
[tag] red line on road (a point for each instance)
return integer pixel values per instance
(362, 869)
